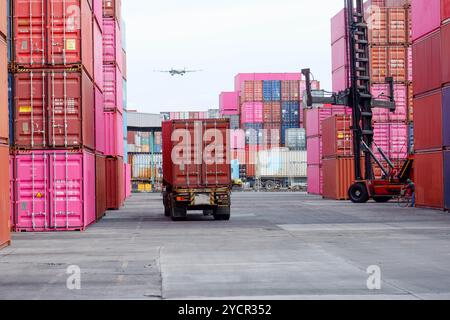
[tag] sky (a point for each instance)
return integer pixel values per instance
(223, 38)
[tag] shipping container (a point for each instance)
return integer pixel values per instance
(341, 79)
(52, 33)
(339, 26)
(4, 20)
(112, 47)
(229, 102)
(315, 117)
(193, 168)
(315, 179)
(115, 190)
(287, 126)
(381, 91)
(295, 139)
(252, 91)
(390, 27)
(252, 112)
(392, 138)
(99, 122)
(240, 78)
(271, 134)
(428, 125)
(430, 188)
(127, 180)
(97, 10)
(388, 61)
(4, 113)
(237, 139)
(53, 108)
(98, 55)
(427, 63)
(113, 134)
(54, 190)
(290, 112)
(282, 163)
(11, 108)
(253, 133)
(146, 167)
(338, 176)
(112, 88)
(337, 137)
(5, 207)
(100, 186)
(314, 148)
(340, 54)
(112, 9)
(272, 90)
(272, 112)
(445, 52)
(235, 121)
(290, 90)
(426, 17)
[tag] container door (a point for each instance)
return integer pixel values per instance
(66, 191)
(31, 189)
(216, 168)
(64, 112)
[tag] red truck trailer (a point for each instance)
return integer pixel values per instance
(196, 168)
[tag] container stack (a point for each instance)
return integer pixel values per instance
(431, 52)
(113, 105)
(127, 167)
(53, 78)
(5, 237)
(314, 137)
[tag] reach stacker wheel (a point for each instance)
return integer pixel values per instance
(358, 193)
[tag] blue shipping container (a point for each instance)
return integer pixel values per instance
(253, 133)
(272, 90)
(290, 112)
(285, 126)
(10, 108)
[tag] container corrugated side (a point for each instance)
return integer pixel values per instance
(4, 113)
(279, 163)
(100, 186)
(5, 236)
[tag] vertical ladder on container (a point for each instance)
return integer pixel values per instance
(360, 97)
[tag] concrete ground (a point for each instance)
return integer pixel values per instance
(277, 246)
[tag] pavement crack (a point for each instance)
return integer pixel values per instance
(161, 295)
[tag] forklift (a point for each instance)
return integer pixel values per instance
(359, 98)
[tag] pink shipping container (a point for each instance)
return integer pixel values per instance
(381, 91)
(338, 26)
(98, 56)
(229, 101)
(339, 54)
(315, 179)
(393, 140)
(127, 180)
(99, 122)
(113, 134)
(426, 17)
(242, 77)
(112, 88)
(54, 191)
(237, 139)
(98, 12)
(314, 148)
(341, 79)
(315, 116)
(53, 33)
(112, 42)
(252, 112)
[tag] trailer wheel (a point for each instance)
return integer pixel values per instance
(222, 213)
(358, 193)
(270, 185)
(382, 199)
(177, 212)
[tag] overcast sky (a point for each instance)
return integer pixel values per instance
(222, 37)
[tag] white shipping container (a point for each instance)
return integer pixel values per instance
(282, 163)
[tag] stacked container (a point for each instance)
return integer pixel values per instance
(55, 73)
(431, 72)
(114, 96)
(5, 237)
(314, 135)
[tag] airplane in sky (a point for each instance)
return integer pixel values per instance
(178, 72)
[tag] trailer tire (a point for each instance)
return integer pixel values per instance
(358, 193)
(222, 213)
(270, 185)
(177, 212)
(382, 199)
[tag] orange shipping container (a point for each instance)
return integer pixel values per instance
(290, 90)
(337, 137)
(389, 61)
(3, 19)
(338, 176)
(429, 185)
(5, 236)
(252, 91)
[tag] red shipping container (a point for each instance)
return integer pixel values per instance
(114, 134)
(4, 120)
(112, 88)
(427, 63)
(100, 186)
(54, 108)
(112, 9)
(337, 138)
(185, 165)
(290, 90)
(272, 134)
(114, 183)
(272, 112)
(5, 236)
(445, 53)
(429, 179)
(391, 26)
(99, 122)
(98, 56)
(428, 129)
(53, 33)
